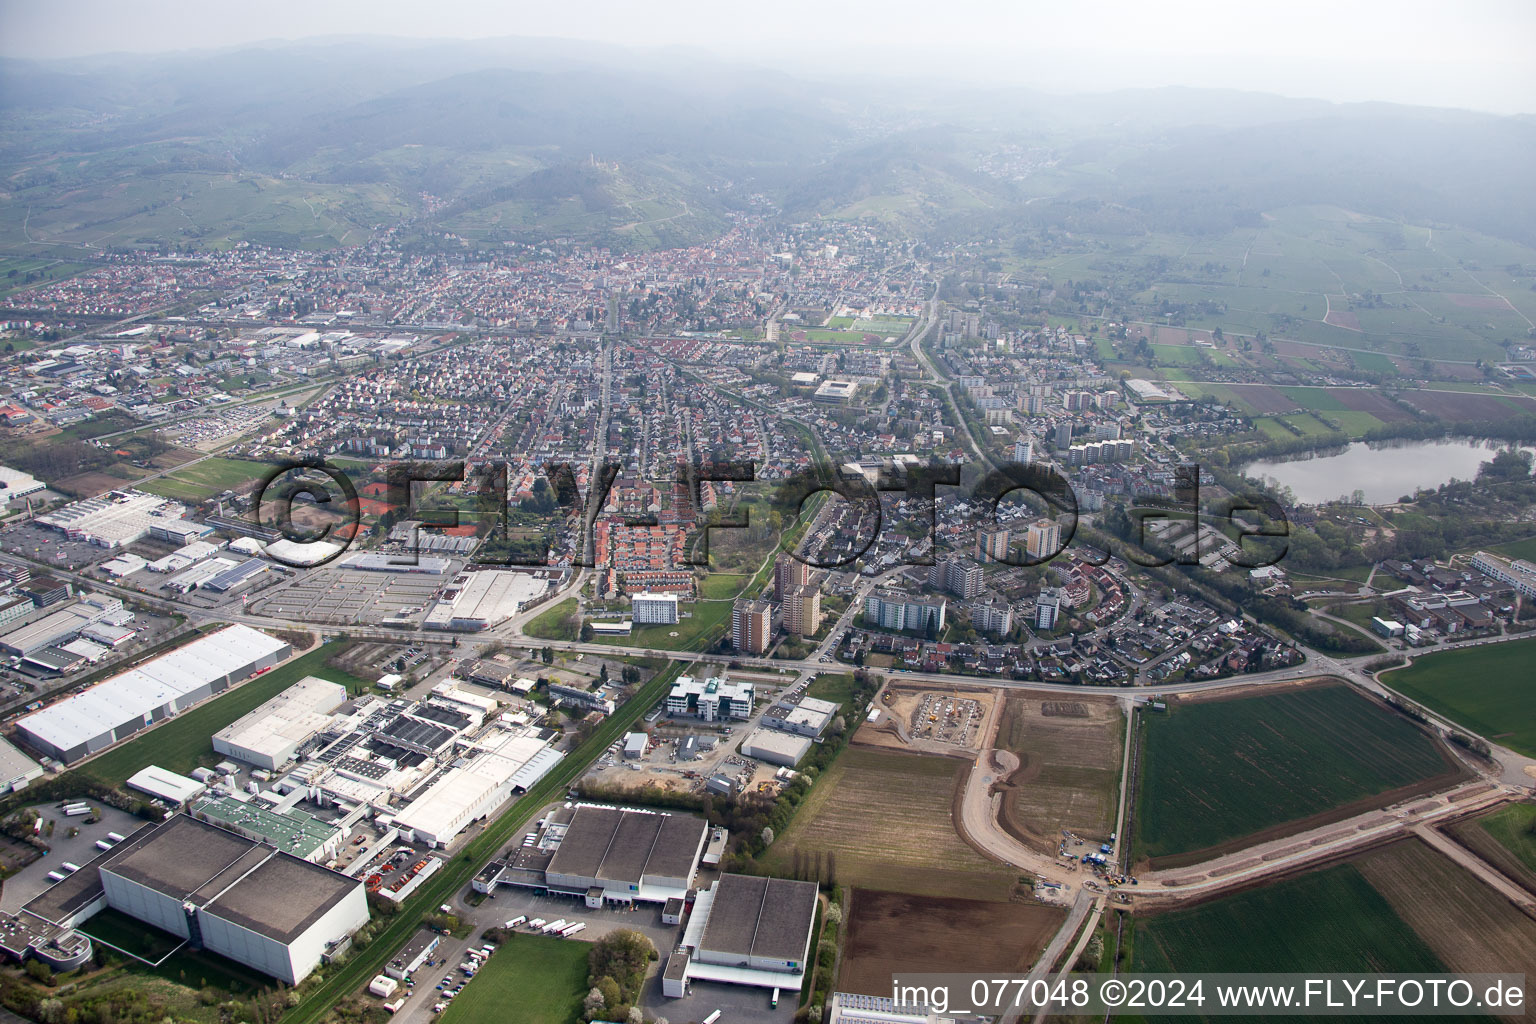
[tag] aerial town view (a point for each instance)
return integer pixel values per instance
(851, 513)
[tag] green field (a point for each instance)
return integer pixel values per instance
(1331, 920)
(722, 586)
(208, 478)
(552, 624)
(1525, 549)
(1514, 828)
(180, 743)
(1214, 772)
(1486, 689)
(836, 688)
(530, 980)
(705, 622)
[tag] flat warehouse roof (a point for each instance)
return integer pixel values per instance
(179, 857)
(307, 891)
(137, 692)
(760, 917)
(290, 718)
(233, 878)
(607, 842)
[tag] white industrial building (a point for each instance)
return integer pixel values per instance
(142, 697)
(59, 625)
(262, 908)
(16, 484)
(806, 716)
(164, 784)
(776, 747)
(272, 734)
(745, 930)
(479, 600)
(17, 770)
(475, 788)
(117, 518)
(647, 609)
(614, 855)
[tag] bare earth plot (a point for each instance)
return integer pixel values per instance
(888, 820)
(889, 932)
(1070, 754)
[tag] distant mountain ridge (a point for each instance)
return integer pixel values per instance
(500, 131)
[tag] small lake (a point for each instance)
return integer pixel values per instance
(1385, 471)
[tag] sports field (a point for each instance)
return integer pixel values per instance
(531, 979)
(180, 743)
(1486, 689)
(887, 818)
(1329, 920)
(1220, 774)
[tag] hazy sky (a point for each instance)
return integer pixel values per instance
(1470, 53)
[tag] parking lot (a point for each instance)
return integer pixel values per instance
(31, 880)
(347, 595)
(738, 1004)
(51, 546)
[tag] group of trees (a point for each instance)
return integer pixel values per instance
(616, 968)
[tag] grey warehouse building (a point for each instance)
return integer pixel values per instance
(233, 896)
(610, 855)
(746, 930)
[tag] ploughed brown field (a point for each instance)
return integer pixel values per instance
(1373, 402)
(888, 932)
(1070, 754)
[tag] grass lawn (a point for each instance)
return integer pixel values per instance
(1486, 689)
(836, 688)
(1216, 771)
(722, 586)
(207, 478)
(1525, 549)
(553, 624)
(1331, 920)
(181, 742)
(709, 621)
(531, 980)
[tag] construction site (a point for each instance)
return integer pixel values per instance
(952, 721)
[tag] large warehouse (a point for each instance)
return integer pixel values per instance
(219, 891)
(242, 899)
(130, 701)
(746, 930)
(272, 734)
(611, 855)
